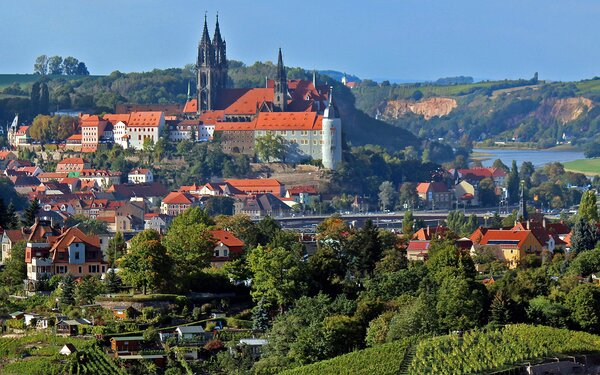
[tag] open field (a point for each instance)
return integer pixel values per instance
(589, 167)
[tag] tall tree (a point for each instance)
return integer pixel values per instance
(55, 65)
(269, 147)
(500, 309)
(146, 265)
(30, 213)
(70, 65)
(387, 195)
(12, 220)
(82, 70)
(408, 195)
(512, 183)
(67, 291)
(41, 65)
(116, 248)
(44, 98)
(583, 236)
(408, 223)
(35, 99)
(279, 275)
(588, 209)
(365, 250)
(88, 289)
(15, 269)
(189, 245)
(584, 303)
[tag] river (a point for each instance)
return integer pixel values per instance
(537, 157)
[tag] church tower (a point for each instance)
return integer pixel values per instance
(522, 215)
(211, 68)
(220, 65)
(280, 86)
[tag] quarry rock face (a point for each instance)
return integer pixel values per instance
(428, 108)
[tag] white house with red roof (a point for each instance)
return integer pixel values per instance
(140, 176)
(177, 202)
(133, 129)
(227, 247)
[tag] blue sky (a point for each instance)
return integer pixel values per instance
(407, 39)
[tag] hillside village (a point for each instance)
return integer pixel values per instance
(239, 232)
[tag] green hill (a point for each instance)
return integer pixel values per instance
(103, 93)
(543, 113)
(477, 351)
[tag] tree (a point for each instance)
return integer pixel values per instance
(70, 65)
(588, 208)
(269, 147)
(408, 224)
(55, 65)
(583, 237)
(408, 195)
(586, 263)
(15, 269)
(35, 98)
(41, 65)
(513, 183)
(278, 275)
(12, 220)
(584, 304)
(87, 225)
(30, 213)
(67, 291)
(146, 265)
(260, 317)
(387, 195)
(189, 245)
(500, 309)
(44, 98)
(116, 248)
(365, 250)
(487, 192)
(112, 281)
(82, 70)
(88, 289)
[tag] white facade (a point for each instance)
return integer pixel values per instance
(140, 176)
(134, 136)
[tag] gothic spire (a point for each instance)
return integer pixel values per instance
(280, 67)
(205, 37)
(217, 37)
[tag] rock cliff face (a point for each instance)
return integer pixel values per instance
(428, 108)
(569, 109)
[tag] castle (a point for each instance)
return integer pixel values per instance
(301, 112)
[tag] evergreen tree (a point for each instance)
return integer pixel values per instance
(408, 223)
(260, 317)
(112, 281)
(44, 99)
(30, 213)
(512, 183)
(67, 292)
(116, 248)
(12, 221)
(500, 309)
(587, 206)
(3, 214)
(584, 236)
(35, 99)
(365, 250)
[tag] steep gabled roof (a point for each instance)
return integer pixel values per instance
(177, 197)
(227, 238)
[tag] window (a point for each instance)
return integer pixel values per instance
(77, 255)
(314, 142)
(304, 132)
(79, 269)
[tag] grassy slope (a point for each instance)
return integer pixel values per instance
(589, 167)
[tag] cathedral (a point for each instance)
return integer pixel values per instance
(301, 112)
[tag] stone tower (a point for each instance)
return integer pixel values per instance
(331, 148)
(211, 68)
(280, 86)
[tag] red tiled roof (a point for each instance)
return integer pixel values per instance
(227, 238)
(505, 235)
(288, 121)
(257, 185)
(248, 103)
(191, 106)
(177, 197)
(71, 161)
(416, 245)
(139, 171)
(309, 189)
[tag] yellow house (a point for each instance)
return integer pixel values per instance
(511, 246)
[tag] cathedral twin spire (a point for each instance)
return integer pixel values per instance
(211, 67)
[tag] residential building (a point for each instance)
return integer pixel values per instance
(126, 343)
(510, 246)
(303, 194)
(177, 202)
(92, 129)
(140, 176)
(466, 194)
(69, 165)
(435, 195)
(261, 205)
(227, 247)
(134, 129)
(101, 177)
(190, 333)
(157, 222)
(258, 186)
(418, 250)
